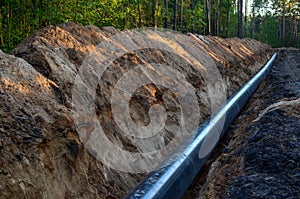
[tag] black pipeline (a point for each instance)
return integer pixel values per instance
(171, 181)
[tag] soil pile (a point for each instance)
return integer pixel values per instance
(42, 154)
(262, 159)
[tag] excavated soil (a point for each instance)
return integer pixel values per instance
(41, 154)
(260, 155)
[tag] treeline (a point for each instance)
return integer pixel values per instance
(275, 22)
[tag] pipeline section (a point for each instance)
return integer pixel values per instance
(172, 180)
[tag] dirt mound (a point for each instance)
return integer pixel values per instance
(57, 52)
(42, 154)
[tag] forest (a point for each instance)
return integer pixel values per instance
(275, 22)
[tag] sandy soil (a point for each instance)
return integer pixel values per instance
(41, 155)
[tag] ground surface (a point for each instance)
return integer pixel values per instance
(260, 155)
(41, 155)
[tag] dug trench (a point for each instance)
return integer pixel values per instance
(259, 156)
(41, 153)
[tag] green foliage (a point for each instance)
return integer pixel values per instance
(266, 27)
(19, 18)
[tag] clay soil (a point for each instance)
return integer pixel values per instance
(260, 155)
(41, 155)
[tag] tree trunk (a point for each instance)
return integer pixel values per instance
(253, 21)
(219, 17)
(166, 14)
(215, 3)
(154, 13)
(49, 6)
(204, 16)
(181, 15)
(208, 17)
(240, 19)
(139, 15)
(193, 15)
(228, 18)
(9, 17)
(246, 19)
(283, 24)
(295, 31)
(175, 15)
